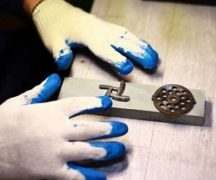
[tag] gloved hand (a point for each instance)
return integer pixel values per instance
(39, 141)
(64, 27)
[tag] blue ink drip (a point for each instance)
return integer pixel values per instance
(52, 84)
(114, 149)
(148, 59)
(89, 174)
(64, 61)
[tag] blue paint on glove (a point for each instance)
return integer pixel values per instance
(89, 174)
(124, 68)
(147, 58)
(74, 44)
(114, 149)
(106, 103)
(64, 61)
(51, 86)
(151, 61)
(118, 129)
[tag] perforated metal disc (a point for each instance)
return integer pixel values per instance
(173, 100)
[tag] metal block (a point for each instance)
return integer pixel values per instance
(139, 105)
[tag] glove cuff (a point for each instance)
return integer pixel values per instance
(38, 4)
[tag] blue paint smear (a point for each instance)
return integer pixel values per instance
(114, 149)
(125, 67)
(75, 45)
(105, 101)
(148, 59)
(64, 61)
(106, 104)
(89, 174)
(118, 129)
(52, 84)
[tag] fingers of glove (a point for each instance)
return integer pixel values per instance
(62, 53)
(40, 93)
(73, 171)
(69, 173)
(79, 105)
(120, 63)
(86, 130)
(136, 50)
(100, 151)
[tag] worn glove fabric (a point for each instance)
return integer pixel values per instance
(40, 141)
(63, 27)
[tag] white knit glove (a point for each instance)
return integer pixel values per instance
(63, 27)
(39, 141)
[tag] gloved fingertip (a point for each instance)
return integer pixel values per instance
(118, 129)
(106, 102)
(89, 174)
(124, 67)
(51, 85)
(150, 58)
(113, 149)
(64, 61)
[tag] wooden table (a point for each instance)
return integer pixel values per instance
(185, 37)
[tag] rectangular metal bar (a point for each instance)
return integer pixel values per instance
(140, 105)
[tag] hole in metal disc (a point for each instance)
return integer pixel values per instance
(174, 88)
(172, 110)
(173, 99)
(170, 92)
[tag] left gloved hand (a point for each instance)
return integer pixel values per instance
(39, 141)
(64, 27)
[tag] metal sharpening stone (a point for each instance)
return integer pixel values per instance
(140, 105)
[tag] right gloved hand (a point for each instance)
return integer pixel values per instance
(39, 141)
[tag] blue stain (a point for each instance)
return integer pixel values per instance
(114, 149)
(75, 45)
(124, 68)
(51, 85)
(89, 174)
(151, 58)
(118, 129)
(64, 61)
(106, 103)
(148, 59)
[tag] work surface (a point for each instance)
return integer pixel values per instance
(185, 38)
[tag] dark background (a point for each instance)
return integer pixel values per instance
(24, 61)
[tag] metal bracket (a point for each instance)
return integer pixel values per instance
(119, 91)
(140, 105)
